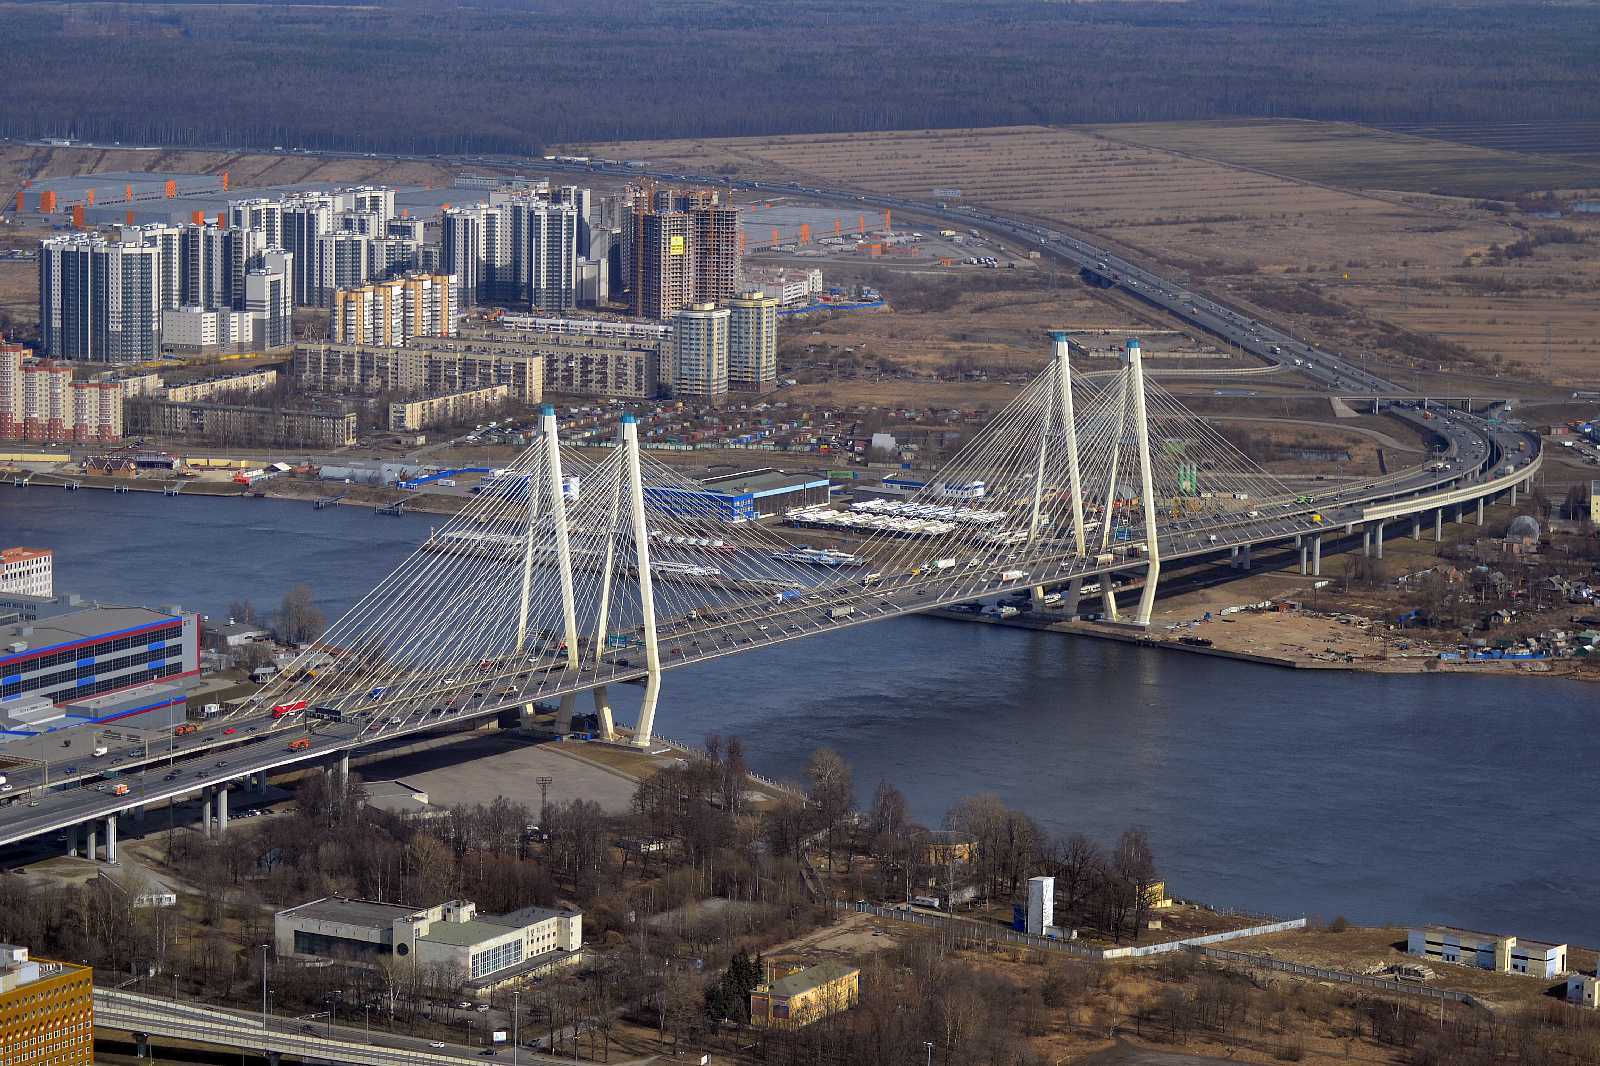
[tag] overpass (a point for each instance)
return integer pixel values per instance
(144, 1016)
(576, 572)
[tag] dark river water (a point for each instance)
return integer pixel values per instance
(1470, 801)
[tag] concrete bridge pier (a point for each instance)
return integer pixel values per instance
(1366, 541)
(74, 840)
(1513, 495)
(222, 810)
(1461, 512)
(569, 704)
(1377, 540)
(1416, 528)
(602, 711)
(141, 1045)
(1073, 595)
(92, 850)
(1438, 525)
(1316, 555)
(1244, 557)
(1304, 552)
(1480, 510)
(111, 838)
(205, 811)
(344, 771)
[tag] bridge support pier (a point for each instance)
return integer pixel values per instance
(647, 596)
(1438, 525)
(205, 812)
(1304, 552)
(141, 1045)
(602, 711)
(91, 850)
(344, 771)
(74, 840)
(1074, 593)
(1416, 528)
(1377, 540)
(111, 838)
(1461, 512)
(1480, 510)
(1147, 495)
(569, 704)
(1316, 556)
(1513, 495)
(1366, 541)
(222, 810)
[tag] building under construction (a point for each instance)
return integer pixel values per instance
(684, 250)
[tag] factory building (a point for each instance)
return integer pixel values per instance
(482, 951)
(72, 657)
(46, 1011)
(1488, 951)
(771, 491)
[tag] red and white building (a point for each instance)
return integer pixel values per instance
(40, 401)
(30, 571)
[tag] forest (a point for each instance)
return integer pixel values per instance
(512, 76)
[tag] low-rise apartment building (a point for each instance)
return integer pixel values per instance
(424, 366)
(43, 400)
(264, 380)
(230, 424)
(451, 407)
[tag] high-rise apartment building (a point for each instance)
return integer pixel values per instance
(259, 214)
(393, 312)
(343, 261)
(305, 219)
(547, 268)
(663, 264)
(168, 239)
(374, 200)
(269, 300)
(753, 342)
(700, 352)
(98, 299)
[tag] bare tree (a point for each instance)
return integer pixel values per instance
(299, 621)
(832, 791)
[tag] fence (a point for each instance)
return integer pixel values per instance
(1384, 984)
(972, 933)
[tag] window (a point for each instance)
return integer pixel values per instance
(496, 958)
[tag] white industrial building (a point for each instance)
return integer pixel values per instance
(484, 950)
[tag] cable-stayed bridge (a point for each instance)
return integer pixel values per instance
(570, 573)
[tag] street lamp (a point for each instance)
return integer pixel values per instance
(929, 1045)
(264, 1048)
(516, 1012)
(332, 999)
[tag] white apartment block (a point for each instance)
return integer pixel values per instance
(29, 571)
(700, 352)
(393, 312)
(753, 342)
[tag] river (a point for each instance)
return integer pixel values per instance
(1384, 798)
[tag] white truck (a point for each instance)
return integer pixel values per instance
(836, 613)
(1012, 575)
(943, 564)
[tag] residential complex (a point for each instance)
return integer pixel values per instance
(427, 366)
(42, 400)
(483, 951)
(98, 299)
(611, 358)
(520, 248)
(30, 571)
(392, 312)
(46, 1011)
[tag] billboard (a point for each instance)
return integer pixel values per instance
(675, 244)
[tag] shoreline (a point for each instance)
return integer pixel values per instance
(362, 496)
(1562, 668)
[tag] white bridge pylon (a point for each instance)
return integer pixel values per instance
(574, 568)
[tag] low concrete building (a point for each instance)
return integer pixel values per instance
(227, 424)
(805, 996)
(772, 491)
(1583, 990)
(463, 406)
(484, 951)
(1488, 951)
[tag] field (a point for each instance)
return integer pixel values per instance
(1258, 216)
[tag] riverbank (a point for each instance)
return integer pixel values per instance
(288, 489)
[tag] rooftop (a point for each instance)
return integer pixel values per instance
(763, 481)
(352, 911)
(79, 625)
(22, 555)
(813, 977)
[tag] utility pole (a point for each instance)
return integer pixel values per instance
(265, 1051)
(544, 784)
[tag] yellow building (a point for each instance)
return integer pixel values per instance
(46, 1011)
(944, 847)
(805, 996)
